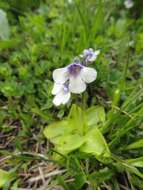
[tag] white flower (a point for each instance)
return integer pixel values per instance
(62, 94)
(89, 55)
(128, 4)
(76, 75)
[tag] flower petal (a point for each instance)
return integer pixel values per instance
(61, 98)
(58, 99)
(56, 88)
(97, 52)
(66, 98)
(94, 56)
(60, 75)
(76, 85)
(88, 74)
(128, 4)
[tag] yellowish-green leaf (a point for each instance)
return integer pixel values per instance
(5, 177)
(137, 144)
(68, 143)
(95, 144)
(137, 162)
(95, 115)
(77, 118)
(57, 129)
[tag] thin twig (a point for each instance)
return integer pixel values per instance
(42, 175)
(44, 187)
(56, 172)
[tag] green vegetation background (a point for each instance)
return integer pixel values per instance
(45, 35)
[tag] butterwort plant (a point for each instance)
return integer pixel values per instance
(80, 124)
(74, 77)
